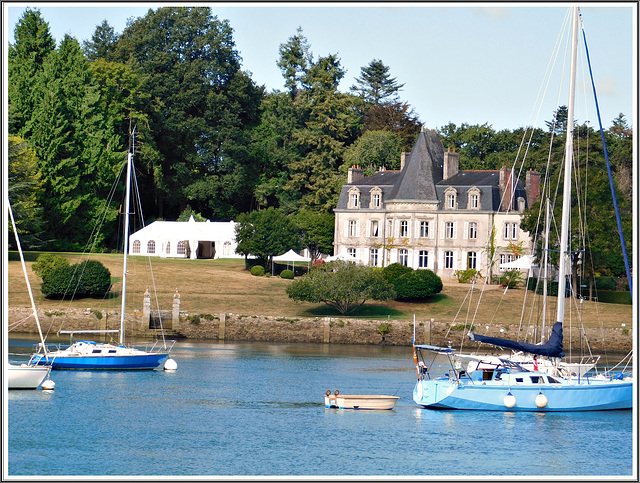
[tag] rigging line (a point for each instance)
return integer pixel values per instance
(606, 157)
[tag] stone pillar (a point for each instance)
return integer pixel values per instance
(146, 310)
(175, 313)
(222, 326)
(327, 330)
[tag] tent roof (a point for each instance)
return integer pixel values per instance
(291, 256)
(522, 263)
(187, 230)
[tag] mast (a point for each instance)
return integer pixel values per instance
(546, 272)
(126, 237)
(568, 162)
(24, 269)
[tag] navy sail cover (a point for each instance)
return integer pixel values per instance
(552, 348)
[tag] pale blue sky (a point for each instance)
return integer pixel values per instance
(475, 63)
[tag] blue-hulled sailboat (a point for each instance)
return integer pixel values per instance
(505, 384)
(91, 355)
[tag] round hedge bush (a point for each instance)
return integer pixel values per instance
(288, 274)
(257, 270)
(86, 279)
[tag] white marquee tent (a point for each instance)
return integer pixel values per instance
(185, 239)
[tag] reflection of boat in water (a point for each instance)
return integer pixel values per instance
(87, 354)
(350, 401)
(497, 383)
(27, 375)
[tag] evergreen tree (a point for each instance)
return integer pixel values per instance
(375, 85)
(294, 61)
(102, 43)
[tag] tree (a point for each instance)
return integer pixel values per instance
(26, 59)
(294, 61)
(375, 85)
(25, 189)
(102, 43)
(397, 117)
(317, 231)
(375, 149)
(343, 285)
(265, 234)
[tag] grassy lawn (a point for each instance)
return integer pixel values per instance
(224, 286)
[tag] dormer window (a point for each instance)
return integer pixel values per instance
(520, 204)
(450, 197)
(354, 198)
(376, 198)
(474, 199)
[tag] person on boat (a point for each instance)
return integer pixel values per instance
(535, 363)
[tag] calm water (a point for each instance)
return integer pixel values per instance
(257, 409)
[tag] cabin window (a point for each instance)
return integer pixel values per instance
(487, 374)
(537, 379)
(519, 379)
(112, 351)
(136, 246)
(552, 380)
(96, 351)
(151, 246)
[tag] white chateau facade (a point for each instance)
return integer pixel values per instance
(430, 214)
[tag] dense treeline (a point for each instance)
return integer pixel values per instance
(212, 142)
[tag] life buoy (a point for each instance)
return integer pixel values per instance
(415, 361)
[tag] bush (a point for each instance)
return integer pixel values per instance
(605, 283)
(417, 284)
(47, 263)
(257, 270)
(288, 274)
(464, 276)
(394, 271)
(612, 297)
(86, 279)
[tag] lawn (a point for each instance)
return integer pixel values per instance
(224, 286)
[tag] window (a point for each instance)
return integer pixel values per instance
(182, 249)
(403, 257)
(473, 230)
(151, 246)
(449, 229)
(404, 228)
(424, 229)
(473, 201)
(351, 252)
(472, 260)
(450, 198)
(373, 257)
(354, 200)
(168, 249)
(353, 228)
(375, 200)
(510, 231)
(423, 259)
(451, 201)
(374, 228)
(136, 246)
(448, 259)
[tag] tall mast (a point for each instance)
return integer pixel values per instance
(126, 235)
(568, 162)
(546, 272)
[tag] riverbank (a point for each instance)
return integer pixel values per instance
(323, 330)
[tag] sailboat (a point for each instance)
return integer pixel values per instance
(91, 355)
(28, 375)
(506, 384)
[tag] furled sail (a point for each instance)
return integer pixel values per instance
(552, 348)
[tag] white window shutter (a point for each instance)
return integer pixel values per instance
(417, 229)
(432, 230)
(346, 228)
(463, 261)
(465, 233)
(478, 261)
(455, 230)
(357, 228)
(430, 260)
(441, 259)
(455, 260)
(442, 230)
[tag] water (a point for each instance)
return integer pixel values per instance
(257, 410)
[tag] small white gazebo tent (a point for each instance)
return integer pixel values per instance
(292, 257)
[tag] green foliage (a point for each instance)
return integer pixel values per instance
(613, 297)
(257, 270)
(375, 85)
(464, 276)
(417, 284)
(317, 231)
(288, 274)
(384, 328)
(394, 271)
(46, 263)
(342, 285)
(85, 279)
(188, 212)
(375, 149)
(266, 233)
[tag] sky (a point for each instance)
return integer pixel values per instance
(471, 63)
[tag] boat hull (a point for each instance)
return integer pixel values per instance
(26, 377)
(586, 396)
(361, 402)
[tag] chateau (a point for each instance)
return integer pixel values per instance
(430, 214)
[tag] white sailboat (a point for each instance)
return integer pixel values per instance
(28, 375)
(88, 354)
(504, 383)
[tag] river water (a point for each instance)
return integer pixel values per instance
(256, 410)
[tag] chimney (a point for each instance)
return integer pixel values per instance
(451, 164)
(403, 159)
(532, 186)
(506, 189)
(355, 174)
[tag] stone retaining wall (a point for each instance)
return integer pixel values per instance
(233, 327)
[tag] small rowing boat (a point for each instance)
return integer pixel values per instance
(344, 401)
